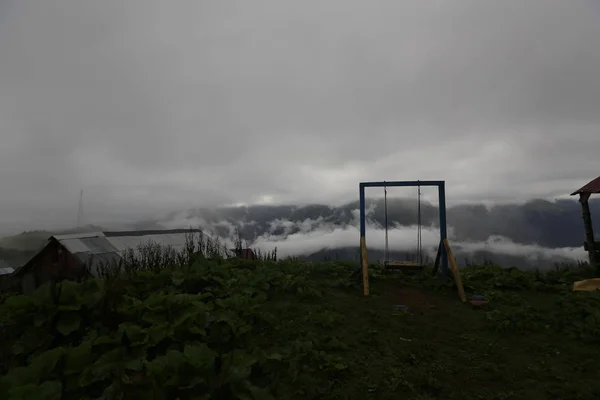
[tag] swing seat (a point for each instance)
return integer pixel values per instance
(408, 265)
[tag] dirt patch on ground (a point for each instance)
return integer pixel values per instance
(417, 300)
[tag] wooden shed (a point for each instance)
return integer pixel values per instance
(245, 254)
(75, 255)
(590, 245)
(53, 261)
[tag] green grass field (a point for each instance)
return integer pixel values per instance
(292, 330)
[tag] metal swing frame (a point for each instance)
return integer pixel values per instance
(442, 254)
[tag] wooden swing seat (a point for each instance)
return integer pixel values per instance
(409, 265)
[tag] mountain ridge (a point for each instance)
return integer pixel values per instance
(546, 223)
(536, 223)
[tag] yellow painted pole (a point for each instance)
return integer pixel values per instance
(365, 265)
(455, 272)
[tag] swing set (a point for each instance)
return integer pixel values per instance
(444, 253)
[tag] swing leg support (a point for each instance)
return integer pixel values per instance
(455, 271)
(441, 258)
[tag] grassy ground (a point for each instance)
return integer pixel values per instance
(441, 348)
(290, 330)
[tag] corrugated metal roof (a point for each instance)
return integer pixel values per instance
(150, 232)
(78, 235)
(123, 243)
(97, 248)
(93, 245)
(591, 187)
(91, 249)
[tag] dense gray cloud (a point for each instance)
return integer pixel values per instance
(403, 239)
(152, 105)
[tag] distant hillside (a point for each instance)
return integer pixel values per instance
(26, 241)
(545, 223)
(320, 231)
(528, 234)
(33, 240)
(17, 249)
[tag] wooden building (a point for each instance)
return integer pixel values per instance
(245, 254)
(590, 245)
(75, 255)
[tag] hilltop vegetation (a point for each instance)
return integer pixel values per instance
(230, 329)
(33, 240)
(25, 241)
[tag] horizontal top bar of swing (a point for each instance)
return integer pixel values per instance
(401, 183)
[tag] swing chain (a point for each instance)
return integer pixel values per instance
(386, 255)
(419, 227)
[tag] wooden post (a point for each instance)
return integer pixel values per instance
(455, 272)
(438, 257)
(365, 265)
(589, 230)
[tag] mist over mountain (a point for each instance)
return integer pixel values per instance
(538, 231)
(548, 224)
(533, 234)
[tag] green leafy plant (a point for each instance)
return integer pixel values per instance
(201, 327)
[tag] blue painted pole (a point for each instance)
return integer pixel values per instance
(401, 183)
(362, 209)
(443, 228)
(363, 230)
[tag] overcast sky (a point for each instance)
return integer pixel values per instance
(151, 105)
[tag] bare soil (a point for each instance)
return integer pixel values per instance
(417, 300)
